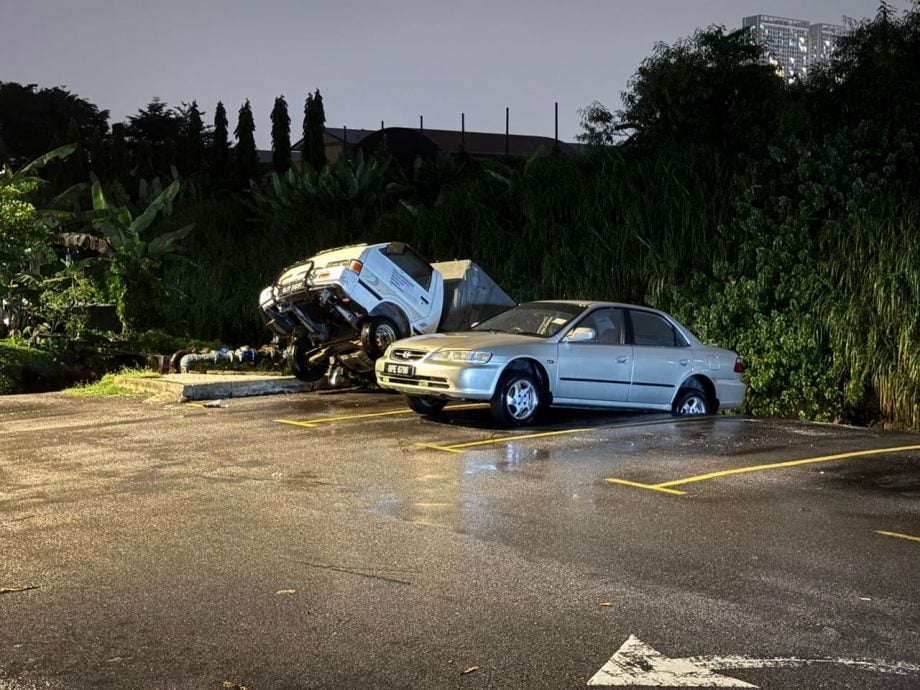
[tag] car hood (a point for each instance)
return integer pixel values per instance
(471, 340)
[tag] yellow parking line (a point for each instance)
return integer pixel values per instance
(458, 447)
(790, 463)
(446, 449)
(761, 468)
(897, 535)
(647, 486)
(312, 423)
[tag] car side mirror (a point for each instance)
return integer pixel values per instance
(581, 335)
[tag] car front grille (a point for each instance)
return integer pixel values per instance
(408, 355)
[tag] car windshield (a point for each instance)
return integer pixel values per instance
(539, 319)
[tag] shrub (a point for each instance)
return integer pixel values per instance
(25, 369)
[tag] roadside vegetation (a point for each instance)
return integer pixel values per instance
(777, 219)
(108, 385)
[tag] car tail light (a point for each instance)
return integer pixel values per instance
(356, 266)
(739, 366)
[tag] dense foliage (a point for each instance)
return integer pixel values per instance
(777, 219)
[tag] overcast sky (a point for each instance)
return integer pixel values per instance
(372, 60)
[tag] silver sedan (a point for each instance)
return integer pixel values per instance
(565, 354)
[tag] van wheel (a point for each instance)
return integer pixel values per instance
(517, 400)
(298, 356)
(424, 404)
(377, 334)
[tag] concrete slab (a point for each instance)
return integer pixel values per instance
(185, 387)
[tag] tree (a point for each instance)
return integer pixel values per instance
(220, 144)
(246, 160)
(710, 89)
(314, 143)
(33, 119)
(872, 75)
(24, 235)
(598, 125)
(155, 123)
(152, 134)
(281, 136)
(193, 133)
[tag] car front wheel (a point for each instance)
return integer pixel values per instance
(517, 399)
(692, 403)
(424, 404)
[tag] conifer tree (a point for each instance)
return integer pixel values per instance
(281, 136)
(314, 141)
(304, 146)
(220, 144)
(194, 139)
(245, 159)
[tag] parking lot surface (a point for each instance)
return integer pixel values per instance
(338, 540)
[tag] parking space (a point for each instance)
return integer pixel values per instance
(341, 536)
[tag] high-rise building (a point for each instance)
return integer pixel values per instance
(793, 45)
(822, 38)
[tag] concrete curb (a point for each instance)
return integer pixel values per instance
(174, 388)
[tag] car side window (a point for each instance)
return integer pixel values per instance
(411, 263)
(654, 330)
(608, 324)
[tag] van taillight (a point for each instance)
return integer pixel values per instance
(356, 266)
(739, 366)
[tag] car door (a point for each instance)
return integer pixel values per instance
(661, 358)
(597, 371)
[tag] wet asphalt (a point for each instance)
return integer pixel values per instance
(338, 540)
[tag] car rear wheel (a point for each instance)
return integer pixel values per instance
(377, 334)
(517, 399)
(424, 404)
(692, 403)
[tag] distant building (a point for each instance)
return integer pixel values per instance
(406, 144)
(793, 45)
(822, 39)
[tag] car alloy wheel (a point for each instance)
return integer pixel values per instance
(517, 399)
(693, 403)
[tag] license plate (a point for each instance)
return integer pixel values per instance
(398, 369)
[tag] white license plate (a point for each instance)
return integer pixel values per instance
(398, 369)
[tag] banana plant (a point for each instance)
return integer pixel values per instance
(125, 233)
(135, 275)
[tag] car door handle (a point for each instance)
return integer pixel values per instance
(683, 362)
(623, 360)
(424, 300)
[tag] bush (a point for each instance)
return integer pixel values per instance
(25, 369)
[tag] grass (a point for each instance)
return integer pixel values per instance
(106, 386)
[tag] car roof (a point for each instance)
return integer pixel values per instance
(592, 303)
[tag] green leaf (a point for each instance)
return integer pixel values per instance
(99, 201)
(41, 161)
(143, 221)
(165, 243)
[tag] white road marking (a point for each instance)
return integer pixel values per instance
(635, 663)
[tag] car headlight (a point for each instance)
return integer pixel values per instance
(475, 356)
